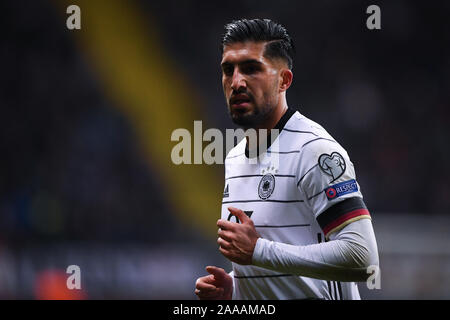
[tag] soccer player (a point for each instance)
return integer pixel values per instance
(296, 228)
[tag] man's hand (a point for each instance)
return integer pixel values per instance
(216, 286)
(237, 240)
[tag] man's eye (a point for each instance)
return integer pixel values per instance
(228, 71)
(249, 69)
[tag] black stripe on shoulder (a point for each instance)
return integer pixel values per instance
(339, 209)
(299, 131)
(317, 140)
(283, 152)
(309, 170)
(235, 156)
(315, 195)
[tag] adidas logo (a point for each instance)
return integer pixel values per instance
(226, 192)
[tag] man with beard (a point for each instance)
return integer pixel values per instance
(296, 228)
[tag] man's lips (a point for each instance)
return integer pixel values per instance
(240, 105)
(240, 101)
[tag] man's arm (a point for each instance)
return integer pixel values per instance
(345, 257)
(334, 197)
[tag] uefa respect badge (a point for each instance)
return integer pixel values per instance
(337, 190)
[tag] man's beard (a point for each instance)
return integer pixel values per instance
(251, 118)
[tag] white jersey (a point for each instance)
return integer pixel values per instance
(291, 195)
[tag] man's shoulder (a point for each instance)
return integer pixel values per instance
(311, 141)
(300, 131)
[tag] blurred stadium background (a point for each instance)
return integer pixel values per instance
(86, 118)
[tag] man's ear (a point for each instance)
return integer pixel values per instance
(286, 76)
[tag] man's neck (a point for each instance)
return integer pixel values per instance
(265, 138)
(273, 118)
(271, 121)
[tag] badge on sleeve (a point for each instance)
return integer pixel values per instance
(339, 189)
(333, 165)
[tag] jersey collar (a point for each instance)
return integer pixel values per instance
(280, 125)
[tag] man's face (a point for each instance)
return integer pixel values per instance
(250, 83)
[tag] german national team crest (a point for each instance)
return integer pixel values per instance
(266, 186)
(333, 165)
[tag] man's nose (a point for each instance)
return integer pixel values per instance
(238, 81)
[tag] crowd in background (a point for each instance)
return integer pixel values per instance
(70, 166)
